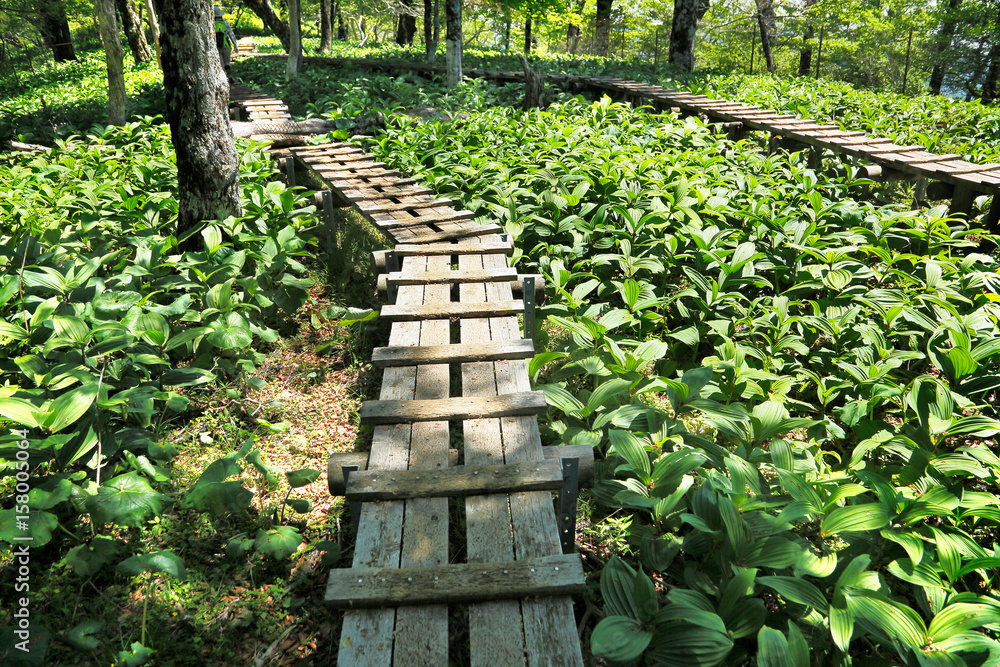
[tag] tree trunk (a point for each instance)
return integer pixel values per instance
(341, 26)
(263, 9)
(430, 39)
(294, 65)
(154, 28)
(133, 31)
(602, 27)
(406, 26)
(115, 56)
(507, 24)
(325, 25)
(527, 35)
(534, 87)
(453, 41)
(806, 52)
(54, 27)
(197, 101)
(437, 21)
(993, 72)
(948, 26)
(687, 13)
(767, 22)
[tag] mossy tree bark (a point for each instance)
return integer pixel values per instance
(944, 39)
(115, 56)
(687, 13)
(154, 27)
(294, 39)
(197, 97)
(767, 22)
(133, 31)
(430, 39)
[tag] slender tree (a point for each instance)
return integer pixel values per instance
(767, 22)
(134, 35)
(115, 56)
(990, 88)
(453, 41)
(294, 65)
(430, 39)
(197, 101)
(325, 25)
(602, 27)
(265, 12)
(687, 13)
(944, 39)
(154, 27)
(806, 52)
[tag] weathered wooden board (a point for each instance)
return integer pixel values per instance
(388, 207)
(452, 409)
(401, 221)
(458, 481)
(422, 632)
(455, 583)
(457, 353)
(491, 248)
(401, 312)
(440, 277)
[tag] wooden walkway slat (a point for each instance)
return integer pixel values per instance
(455, 408)
(457, 353)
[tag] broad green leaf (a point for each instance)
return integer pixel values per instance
(619, 639)
(87, 560)
(70, 406)
(20, 411)
(186, 377)
(961, 617)
(302, 477)
(772, 649)
(855, 518)
(797, 590)
(79, 636)
(279, 542)
(158, 562)
(12, 331)
(126, 500)
(630, 447)
(883, 616)
(40, 526)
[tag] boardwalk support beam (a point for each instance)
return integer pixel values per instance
(567, 503)
(354, 505)
(290, 171)
(529, 307)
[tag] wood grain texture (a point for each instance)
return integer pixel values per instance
(403, 312)
(456, 583)
(465, 480)
(495, 628)
(422, 632)
(453, 409)
(433, 354)
(447, 276)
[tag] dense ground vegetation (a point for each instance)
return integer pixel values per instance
(791, 388)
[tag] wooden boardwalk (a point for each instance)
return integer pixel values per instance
(960, 180)
(452, 308)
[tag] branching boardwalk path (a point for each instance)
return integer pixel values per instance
(960, 180)
(452, 308)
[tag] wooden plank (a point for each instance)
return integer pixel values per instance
(387, 207)
(354, 192)
(500, 247)
(402, 312)
(421, 635)
(549, 624)
(453, 216)
(367, 635)
(455, 583)
(458, 481)
(456, 353)
(448, 276)
(495, 628)
(455, 408)
(888, 149)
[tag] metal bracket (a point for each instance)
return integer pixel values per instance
(529, 307)
(331, 221)
(290, 171)
(567, 503)
(393, 264)
(353, 505)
